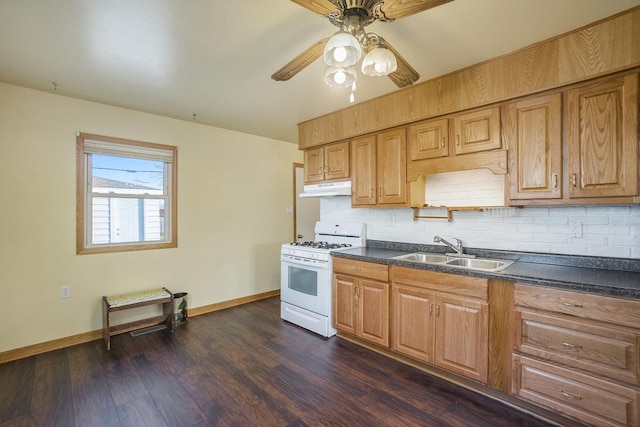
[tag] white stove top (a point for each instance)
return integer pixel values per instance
(330, 236)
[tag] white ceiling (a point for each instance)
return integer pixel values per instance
(214, 58)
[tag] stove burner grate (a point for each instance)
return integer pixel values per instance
(322, 245)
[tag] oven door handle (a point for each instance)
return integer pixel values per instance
(311, 264)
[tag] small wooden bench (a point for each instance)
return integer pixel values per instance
(133, 300)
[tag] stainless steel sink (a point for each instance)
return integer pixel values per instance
(482, 264)
(479, 264)
(424, 257)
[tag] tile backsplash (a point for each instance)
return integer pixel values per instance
(611, 231)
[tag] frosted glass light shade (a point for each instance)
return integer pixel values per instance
(380, 61)
(342, 50)
(340, 77)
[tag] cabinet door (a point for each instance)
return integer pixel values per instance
(533, 129)
(392, 167)
(477, 131)
(336, 157)
(344, 303)
(373, 311)
(461, 336)
(413, 322)
(428, 139)
(602, 134)
(313, 165)
(363, 167)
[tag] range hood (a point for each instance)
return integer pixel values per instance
(327, 189)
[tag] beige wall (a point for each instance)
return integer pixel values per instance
(233, 193)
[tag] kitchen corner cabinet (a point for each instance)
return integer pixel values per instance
(598, 160)
(379, 170)
(326, 163)
(361, 299)
(442, 319)
(578, 354)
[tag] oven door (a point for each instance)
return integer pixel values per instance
(306, 284)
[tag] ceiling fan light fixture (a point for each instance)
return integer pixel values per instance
(342, 50)
(380, 61)
(340, 77)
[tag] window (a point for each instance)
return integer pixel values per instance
(126, 195)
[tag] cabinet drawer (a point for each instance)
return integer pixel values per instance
(580, 396)
(618, 311)
(472, 287)
(604, 350)
(368, 270)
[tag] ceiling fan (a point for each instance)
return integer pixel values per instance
(351, 17)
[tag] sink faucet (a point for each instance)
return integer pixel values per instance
(457, 248)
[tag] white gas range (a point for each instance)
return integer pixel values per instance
(305, 291)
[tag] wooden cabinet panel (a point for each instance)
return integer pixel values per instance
(392, 167)
(533, 130)
(373, 311)
(613, 310)
(586, 398)
(379, 170)
(326, 163)
(477, 131)
(368, 270)
(314, 165)
(428, 139)
(413, 332)
(461, 336)
(337, 161)
(436, 326)
(604, 350)
(363, 181)
(344, 304)
(602, 137)
(361, 305)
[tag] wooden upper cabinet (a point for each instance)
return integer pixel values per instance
(533, 132)
(326, 163)
(476, 131)
(602, 138)
(363, 165)
(392, 167)
(379, 169)
(428, 139)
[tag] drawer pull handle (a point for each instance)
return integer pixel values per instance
(572, 346)
(430, 308)
(570, 304)
(571, 395)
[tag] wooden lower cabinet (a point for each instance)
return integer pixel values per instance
(584, 397)
(361, 299)
(578, 354)
(436, 321)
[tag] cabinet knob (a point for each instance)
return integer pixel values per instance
(457, 139)
(430, 308)
(437, 310)
(570, 304)
(574, 179)
(555, 180)
(570, 395)
(571, 346)
(442, 143)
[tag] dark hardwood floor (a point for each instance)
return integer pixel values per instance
(242, 366)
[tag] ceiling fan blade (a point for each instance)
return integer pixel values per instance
(395, 9)
(323, 7)
(405, 74)
(298, 63)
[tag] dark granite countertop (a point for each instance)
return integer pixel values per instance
(611, 276)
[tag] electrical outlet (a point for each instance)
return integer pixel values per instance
(65, 292)
(575, 229)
